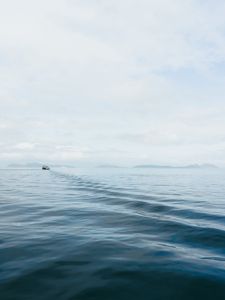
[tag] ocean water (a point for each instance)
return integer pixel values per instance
(112, 234)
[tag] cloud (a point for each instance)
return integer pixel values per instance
(120, 80)
(24, 146)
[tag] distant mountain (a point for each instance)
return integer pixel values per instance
(35, 165)
(108, 166)
(25, 165)
(194, 166)
(153, 166)
(201, 166)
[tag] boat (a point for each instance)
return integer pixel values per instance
(45, 167)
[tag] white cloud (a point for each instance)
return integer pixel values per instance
(118, 80)
(24, 146)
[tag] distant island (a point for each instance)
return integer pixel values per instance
(37, 165)
(108, 166)
(32, 165)
(25, 165)
(193, 166)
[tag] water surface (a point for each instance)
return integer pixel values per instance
(112, 234)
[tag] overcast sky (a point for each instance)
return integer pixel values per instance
(112, 81)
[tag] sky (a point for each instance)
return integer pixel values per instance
(119, 82)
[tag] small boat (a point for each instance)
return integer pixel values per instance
(45, 167)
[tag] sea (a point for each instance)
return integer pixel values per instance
(112, 234)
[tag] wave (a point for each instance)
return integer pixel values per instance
(110, 236)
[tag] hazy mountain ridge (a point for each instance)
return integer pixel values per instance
(34, 165)
(193, 166)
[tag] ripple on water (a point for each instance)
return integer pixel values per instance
(112, 234)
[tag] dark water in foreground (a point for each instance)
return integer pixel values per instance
(112, 234)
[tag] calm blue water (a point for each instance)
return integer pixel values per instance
(112, 234)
